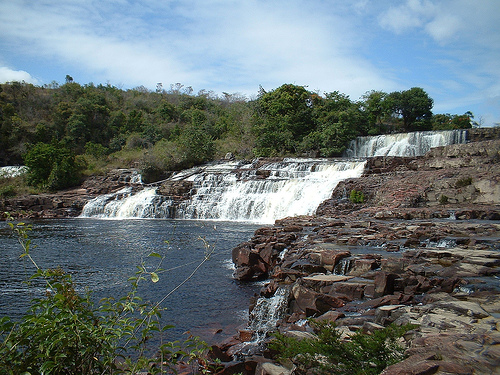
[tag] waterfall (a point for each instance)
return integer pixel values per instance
(125, 204)
(236, 191)
(267, 312)
(12, 171)
(258, 191)
(343, 266)
(404, 144)
(293, 187)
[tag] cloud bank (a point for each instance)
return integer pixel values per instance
(448, 47)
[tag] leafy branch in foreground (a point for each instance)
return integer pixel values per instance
(328, 353)
(66, 333)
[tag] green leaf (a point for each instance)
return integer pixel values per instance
(154, 254)
(154, 277)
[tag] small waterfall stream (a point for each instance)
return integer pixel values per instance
(267, 312)
(343, 266)
(263, 319)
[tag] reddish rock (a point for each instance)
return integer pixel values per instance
(384, 283)
(414, 365)
(330, 316)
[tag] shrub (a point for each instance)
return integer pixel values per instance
(329, 354)
(7, 191)
(463, 182)
(52, 166)
(357, 196)
(443, 199)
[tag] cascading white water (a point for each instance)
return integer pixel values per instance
(234, 191)
(267, 312)
(124, 204)
(344, 266)
(242, 191)
(293, 187)
(404, 144)
(12, 171)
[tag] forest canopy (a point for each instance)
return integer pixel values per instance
(76, 128)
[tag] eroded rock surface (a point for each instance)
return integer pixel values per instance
(404, 255)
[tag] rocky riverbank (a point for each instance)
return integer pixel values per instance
(419, 244)
(423, 247)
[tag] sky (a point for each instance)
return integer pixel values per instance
(450, 48)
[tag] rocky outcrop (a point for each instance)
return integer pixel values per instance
(69, 203)
(404, 255)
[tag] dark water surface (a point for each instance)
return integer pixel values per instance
(102, 254)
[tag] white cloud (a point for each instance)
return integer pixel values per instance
(407, 16)
(219, 45)
(443, 27)
(445, 20)
(10, 75)
(233, 46)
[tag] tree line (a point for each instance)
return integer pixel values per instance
(62, 130)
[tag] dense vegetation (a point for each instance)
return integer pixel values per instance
(61, 131)
(328, 353)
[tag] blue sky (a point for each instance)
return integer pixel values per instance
(450, 48)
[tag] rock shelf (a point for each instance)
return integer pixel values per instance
(404, 257)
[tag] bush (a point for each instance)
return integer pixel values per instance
(7, 191)
(327, 354)
(443, 199)
(357, 196)
(52, 166)
(463, 182)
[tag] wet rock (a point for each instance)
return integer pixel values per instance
(330, 316)
(384, 283)
(311, 303)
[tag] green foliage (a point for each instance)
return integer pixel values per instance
(443, 199)
(356, 196)
(451, 122)
(415, 108)
(52, 166)
(66, 333)
(95, 149)
(7, 190)
(285, 118)
(329, 354)
(463, 182)
(196, 146)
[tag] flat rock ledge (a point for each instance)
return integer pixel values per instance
(423, 248)
(441, 275)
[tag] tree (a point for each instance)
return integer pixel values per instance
(414, 106)
(52, 166)
(338, 120)
(285, 118)
(451, 122)
(376, 109)
(196, 146)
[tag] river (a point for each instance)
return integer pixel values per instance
(102, 254)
